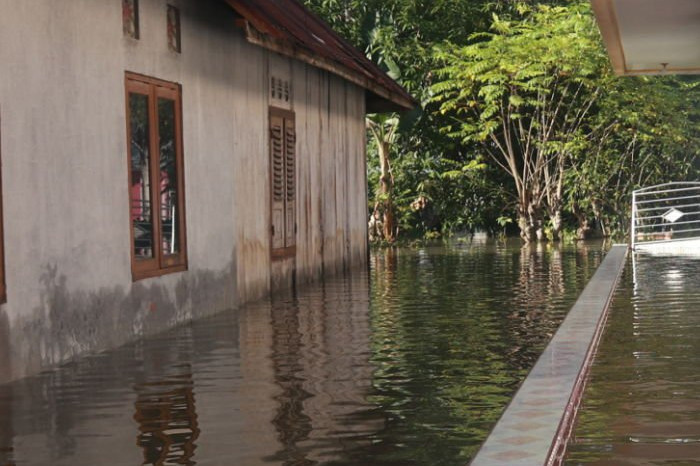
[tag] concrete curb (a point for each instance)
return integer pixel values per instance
(535, 427)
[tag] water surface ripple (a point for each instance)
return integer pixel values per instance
(409, 363)
(642, 404)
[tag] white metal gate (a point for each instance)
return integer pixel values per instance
(666, 217)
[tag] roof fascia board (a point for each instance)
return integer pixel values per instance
(606, 16)
(283, 47)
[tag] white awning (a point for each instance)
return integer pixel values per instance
(651, 36)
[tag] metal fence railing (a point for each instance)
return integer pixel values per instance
(665, 213)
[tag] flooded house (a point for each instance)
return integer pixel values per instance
(167, 159)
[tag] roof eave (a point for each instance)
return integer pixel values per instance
(383, 99)
(604, 11)
(607, 17)
(375, 103)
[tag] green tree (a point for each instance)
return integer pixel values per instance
(383, 130)
(519, 116)
(400, 35)
(646, 131)
(525, 91)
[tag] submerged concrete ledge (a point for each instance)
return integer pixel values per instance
(536, 425)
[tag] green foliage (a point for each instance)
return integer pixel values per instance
(528, 79)
(537, 92)
(647, 132)
(524, 91)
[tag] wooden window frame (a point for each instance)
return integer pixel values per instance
(3, 288)
(159, 264)
(288, 250)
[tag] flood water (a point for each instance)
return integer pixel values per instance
(642, 403)
(409, 363)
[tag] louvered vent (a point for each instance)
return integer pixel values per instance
(280, 91)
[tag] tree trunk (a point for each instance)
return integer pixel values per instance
(527, 231)
(536, 220)
(530, 222)
(539, 230)
(375, 225)
(530, 218)
(386, 186)
(598, 213)
(584, 227)
(555, 217)
(554, 188)
(554, 209)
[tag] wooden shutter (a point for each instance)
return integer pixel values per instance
(277, 181)
(291, 182)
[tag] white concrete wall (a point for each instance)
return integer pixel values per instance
(65, 187)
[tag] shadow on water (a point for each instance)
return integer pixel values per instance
(409, 363)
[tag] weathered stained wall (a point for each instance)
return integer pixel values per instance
(331, 174)
(65, 187)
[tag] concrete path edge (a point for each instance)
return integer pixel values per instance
(536, 425)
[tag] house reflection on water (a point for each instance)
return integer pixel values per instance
(231, 389)
(321, 353)
(410, 367)
(165, 412)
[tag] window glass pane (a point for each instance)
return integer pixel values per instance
(141, 212)
(169, 209)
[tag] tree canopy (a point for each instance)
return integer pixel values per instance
(520, 117)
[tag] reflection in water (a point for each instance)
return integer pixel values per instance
(292, 425)
(642, 404)
(454, 331)
(321, 357)
(6, 431)
(167, 421)
(410, 364)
